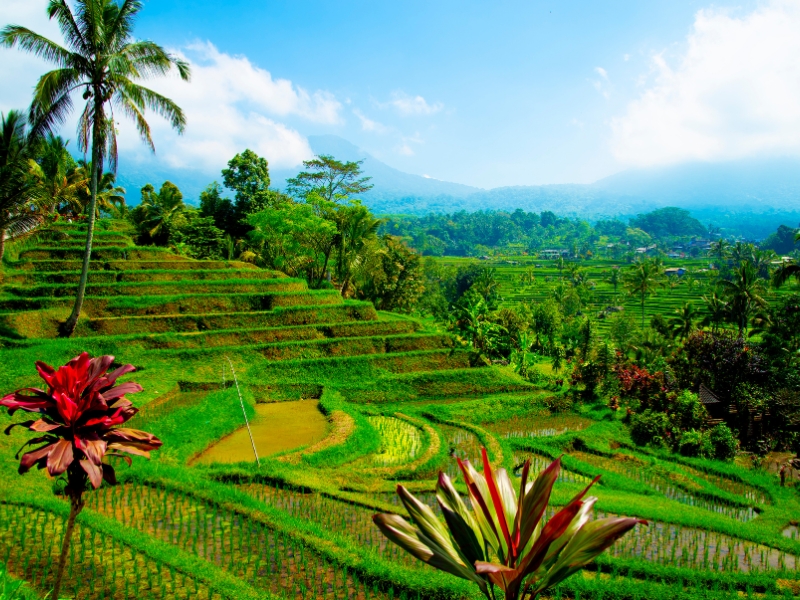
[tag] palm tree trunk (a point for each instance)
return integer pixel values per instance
(2, 243)
(642, 311)
(69, 326)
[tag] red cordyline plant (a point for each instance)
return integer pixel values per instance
(78, 417)
(504, 542)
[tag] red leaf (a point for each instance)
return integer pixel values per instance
(60, 457)
(95, 473)
(497, 501)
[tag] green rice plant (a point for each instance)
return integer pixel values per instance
(247, 549)
(539, 426)
(400, 441)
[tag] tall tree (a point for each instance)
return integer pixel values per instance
(642, 280)
(103, 61)
(248, 176)
(683, 323)
(744, 293)
(21, 196)
(357, 228)
(329, 178)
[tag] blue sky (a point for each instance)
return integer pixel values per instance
(482, 93)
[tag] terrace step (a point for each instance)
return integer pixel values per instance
(141, 275)
(309, 349)
(168, 263)
(74, 242)
(266, 335)
(74, 235)
(44, 324)
(158, 288)
(288, 316)
(377, 365)
(110, 253)
(437, 384)
(96, 306)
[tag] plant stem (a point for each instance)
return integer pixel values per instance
(76, 505)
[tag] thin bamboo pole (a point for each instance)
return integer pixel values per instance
(241, 402)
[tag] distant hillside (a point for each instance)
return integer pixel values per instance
(746, 197)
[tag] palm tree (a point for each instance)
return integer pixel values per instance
(59, 176)
(683, 323)
(357, 227)
(786, 271)
(642, 280)
(21, 197)
(717, 311)
(743, 292)
(110, 196)
(614, 279)
(103, 62)
(159, 213)
(720, 250)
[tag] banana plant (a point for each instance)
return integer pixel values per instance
(503, 542)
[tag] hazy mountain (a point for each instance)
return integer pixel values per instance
(750, 197)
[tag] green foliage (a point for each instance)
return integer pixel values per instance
(10, 589)
(248, 176)
(649, 428)
(294, 239)
(201, 238)
(669, 222)
(214, 205)
(782, 241)
(395, 283)
(160, 214)
(723, 442)
(694, 443)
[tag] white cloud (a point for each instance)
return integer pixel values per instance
(230, 104)
(405, 148)
(413, 105)
(735, 92)
(603, 84)
(20, 71)
(368, 124)
(626, 57)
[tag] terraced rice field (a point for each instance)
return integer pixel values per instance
(267, 559)
(345, 404)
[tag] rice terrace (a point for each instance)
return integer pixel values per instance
(320, 376)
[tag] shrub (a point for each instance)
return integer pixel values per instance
(649, 427)
(688, 412)
(693, 443)
(558, 403)
(723, 442)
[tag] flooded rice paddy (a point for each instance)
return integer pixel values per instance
(665, 482)
(259, 555)
(100, 567)
(277, 427)
(538, 426)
